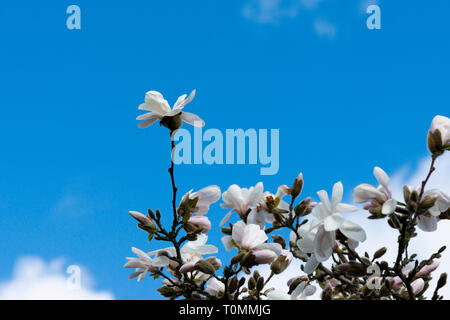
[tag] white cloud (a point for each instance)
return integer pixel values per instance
(324, 28)
(34, 279)
(270, 11)
(379, 234)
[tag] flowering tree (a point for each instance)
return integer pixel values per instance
(320, 235)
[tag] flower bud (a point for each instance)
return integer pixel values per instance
(379, 253)
(215, 262)
(187, 267)
(428, 269)
(201, 222)
(264, 256)
(282, 262)
(439, 135)
(205, 267)
(142, 219)
(297, 186)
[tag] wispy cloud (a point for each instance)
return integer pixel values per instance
(271, 11)
(34, 279)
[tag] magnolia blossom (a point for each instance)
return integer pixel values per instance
(214, 287)
(428, 222)
(261, 214)
(191, 252)
(240, 200)
(307, 246)
(328, 219)
(206, 197)
(250, 237)
(159, 108)
(442, 124)
(301, 292)
(379, 197)
(144, 264)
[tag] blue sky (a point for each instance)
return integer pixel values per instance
(74, 161)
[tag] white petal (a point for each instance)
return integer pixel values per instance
(192, 119)
(238, 232)
(258, 218)
(160, 261)
(147, 123)
(323, 195)
(382, 178)
(311, 265)
(389, 206)
(323, 244)
(226, 218)
(278, 295)
(226, 240)
(353, 231)
(333, 222)
(427, 224)
(252, 236)
(345, 208)
(338, 192)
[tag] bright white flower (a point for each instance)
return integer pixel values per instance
(442, 124)
(301, 292)
(144, 264)
(328, 219)
(159, 108)
(206, 197)
(240, 200)
(428, 222)
(215, 287)
(260, 214)
(379, 197)
(192, 250)
(250, 237)
(306, 246)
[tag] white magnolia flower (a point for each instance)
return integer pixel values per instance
(442, 124)
(240, 200)
(144, 264)
(215, 287)
(206, 197)
(306, 245)
(250, 237)
(260, 214)
(379, 197)
(301, 292)
(428, 222)
(328, 219)
(159, 108)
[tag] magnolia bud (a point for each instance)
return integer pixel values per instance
(216, 263)
(428, 269)
(205, 267)
(379, 253)
(142, 219)
(201, 222)
(439, 135)
(297, 186)
(282, 262)
(187, 267)
(264, 256)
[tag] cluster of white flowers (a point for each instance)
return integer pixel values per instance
(328, 238)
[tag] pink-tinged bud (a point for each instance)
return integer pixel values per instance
(289, 256)
(428, 269)
(367, 206)
(397, 283)
(264, 256)
(297, 186)
(141, 218)
(187, 267)
(201, 222)
(418, 285)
